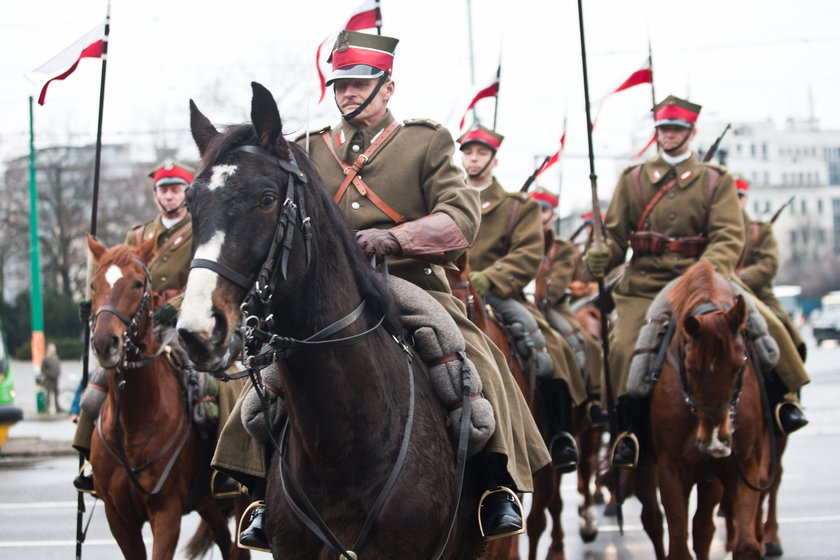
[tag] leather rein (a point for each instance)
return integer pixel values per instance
(131, 347)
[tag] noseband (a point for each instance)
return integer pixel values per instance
(679, 366)
(132, 323)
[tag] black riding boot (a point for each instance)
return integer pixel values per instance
(625, 451)
(253, 536)
(84, 480)
(786, 408)
(499, 510)
(562, 445)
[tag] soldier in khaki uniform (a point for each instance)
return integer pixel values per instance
(555, 276)
(169, 270)
(397, 186)
(695, 218)
(504, 258)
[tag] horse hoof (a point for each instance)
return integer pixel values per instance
(599, 498)
(773, 549)
(588, 537)
(610, 510)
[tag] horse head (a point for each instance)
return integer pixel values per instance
(711, 321)
(120, 290)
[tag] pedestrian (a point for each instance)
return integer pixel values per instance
(51, 372)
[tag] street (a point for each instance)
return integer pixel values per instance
(38, 503)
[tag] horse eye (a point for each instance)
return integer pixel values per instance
(138, 284)
(267, 200)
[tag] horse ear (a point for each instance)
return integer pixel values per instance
(691, 326)
(147, 249)
(737, 316)
(96, 248)
(266, 119)
(203, 130)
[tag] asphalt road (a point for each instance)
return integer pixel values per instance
(38, 503)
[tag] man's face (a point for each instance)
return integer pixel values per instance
(170, 199)
(547, 217)
(475, 157)
(674, 139)
(352, 92)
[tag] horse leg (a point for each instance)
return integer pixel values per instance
(588, 444)
(772, 542)
(535, 523)
(127, 532)
(645, 489)
(674, 492)
(708, 496)
(166, 528)
(744, 507)
(217, 523)
(555, 508)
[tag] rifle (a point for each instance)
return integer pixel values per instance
(711, 153)
(781, 209)
(530, 180)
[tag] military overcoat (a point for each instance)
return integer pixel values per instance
(171, 264)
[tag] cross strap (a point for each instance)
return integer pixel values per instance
(351, 172)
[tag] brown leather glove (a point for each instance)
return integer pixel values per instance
(379, 242)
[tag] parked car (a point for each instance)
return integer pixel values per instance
(9, 413)
(827, 325)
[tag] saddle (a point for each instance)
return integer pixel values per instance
(523, 329)
(440, 345)
(572, 336)
(652, 341)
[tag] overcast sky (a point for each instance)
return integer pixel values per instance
(740, 59)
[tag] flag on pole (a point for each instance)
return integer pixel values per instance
(554, 158)
(367, 15)
(643, 75)
(91, 45)
(491, 89)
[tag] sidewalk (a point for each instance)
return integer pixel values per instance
(41, 436)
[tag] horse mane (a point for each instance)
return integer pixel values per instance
(695, 287)
(324, 211)
(119, 255)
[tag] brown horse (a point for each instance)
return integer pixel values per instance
(364, 466)
(706, 423)
(150, 463)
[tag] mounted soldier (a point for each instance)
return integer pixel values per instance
(172, 228)
(674, 210)
(397, 186)
(557, 269)
(504, 258)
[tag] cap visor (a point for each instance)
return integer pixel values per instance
(171, 181)
(673, 122)
(358, 71)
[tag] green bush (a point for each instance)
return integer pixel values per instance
(67, 348)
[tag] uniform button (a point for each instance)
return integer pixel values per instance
(642, 273)
(355, 205)
(163, 278)
(355, 147)
(672, 216)
(164, 258)
(671, 195)
(427, 270)
(498, 267)
(676, 257)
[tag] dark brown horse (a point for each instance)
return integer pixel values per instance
(707, 424)
(150, 463)
(365, 466)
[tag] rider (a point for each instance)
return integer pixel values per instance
(414, 204)
(556, 273)
(169, 270)
(759, 264)
(504, 258)
(673, 210)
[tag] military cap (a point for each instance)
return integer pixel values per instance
(361, 55)
(171, 173)
(546, 198)
(481, 135)
(675, 111)
(742, 186)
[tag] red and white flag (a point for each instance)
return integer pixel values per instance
(91, 45)
(491, 89)
(366, 16)
(554, 158)
(643, 75)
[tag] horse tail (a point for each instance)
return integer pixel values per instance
(201, 541)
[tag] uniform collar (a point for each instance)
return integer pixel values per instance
(492, 197)
(686, 171)
(346, 135)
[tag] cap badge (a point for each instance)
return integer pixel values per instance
(343, 41)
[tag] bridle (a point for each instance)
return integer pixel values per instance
(678, 363)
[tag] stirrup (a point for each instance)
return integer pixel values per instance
(81, 475)
(777, 416)
(246, 519)
(517, 503)
(219, 493)
(619, 438)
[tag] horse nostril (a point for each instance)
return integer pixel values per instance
(219, 327)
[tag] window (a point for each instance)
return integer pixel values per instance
(766, 206)
(752, 150)
(793, 237)
(819, 206)
(835, 218)
(803, 204)
(756, 207)
(764, 150)
(766, 178)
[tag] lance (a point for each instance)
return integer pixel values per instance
(598, 242)
(781, 209)
(530, 180)
(713, 150)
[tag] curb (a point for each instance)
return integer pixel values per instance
(35, 447)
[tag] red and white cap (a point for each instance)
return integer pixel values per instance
(482, 135)
(171, 173)
(675, 111)
(741, 186)
(361, 55)
(546, 198)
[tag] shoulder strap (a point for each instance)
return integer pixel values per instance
(506, 239)
(138, 234)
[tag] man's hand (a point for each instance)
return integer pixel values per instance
(379, 242)
(165, 315)
(596, 260)
(84, 310)
(480, 282)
